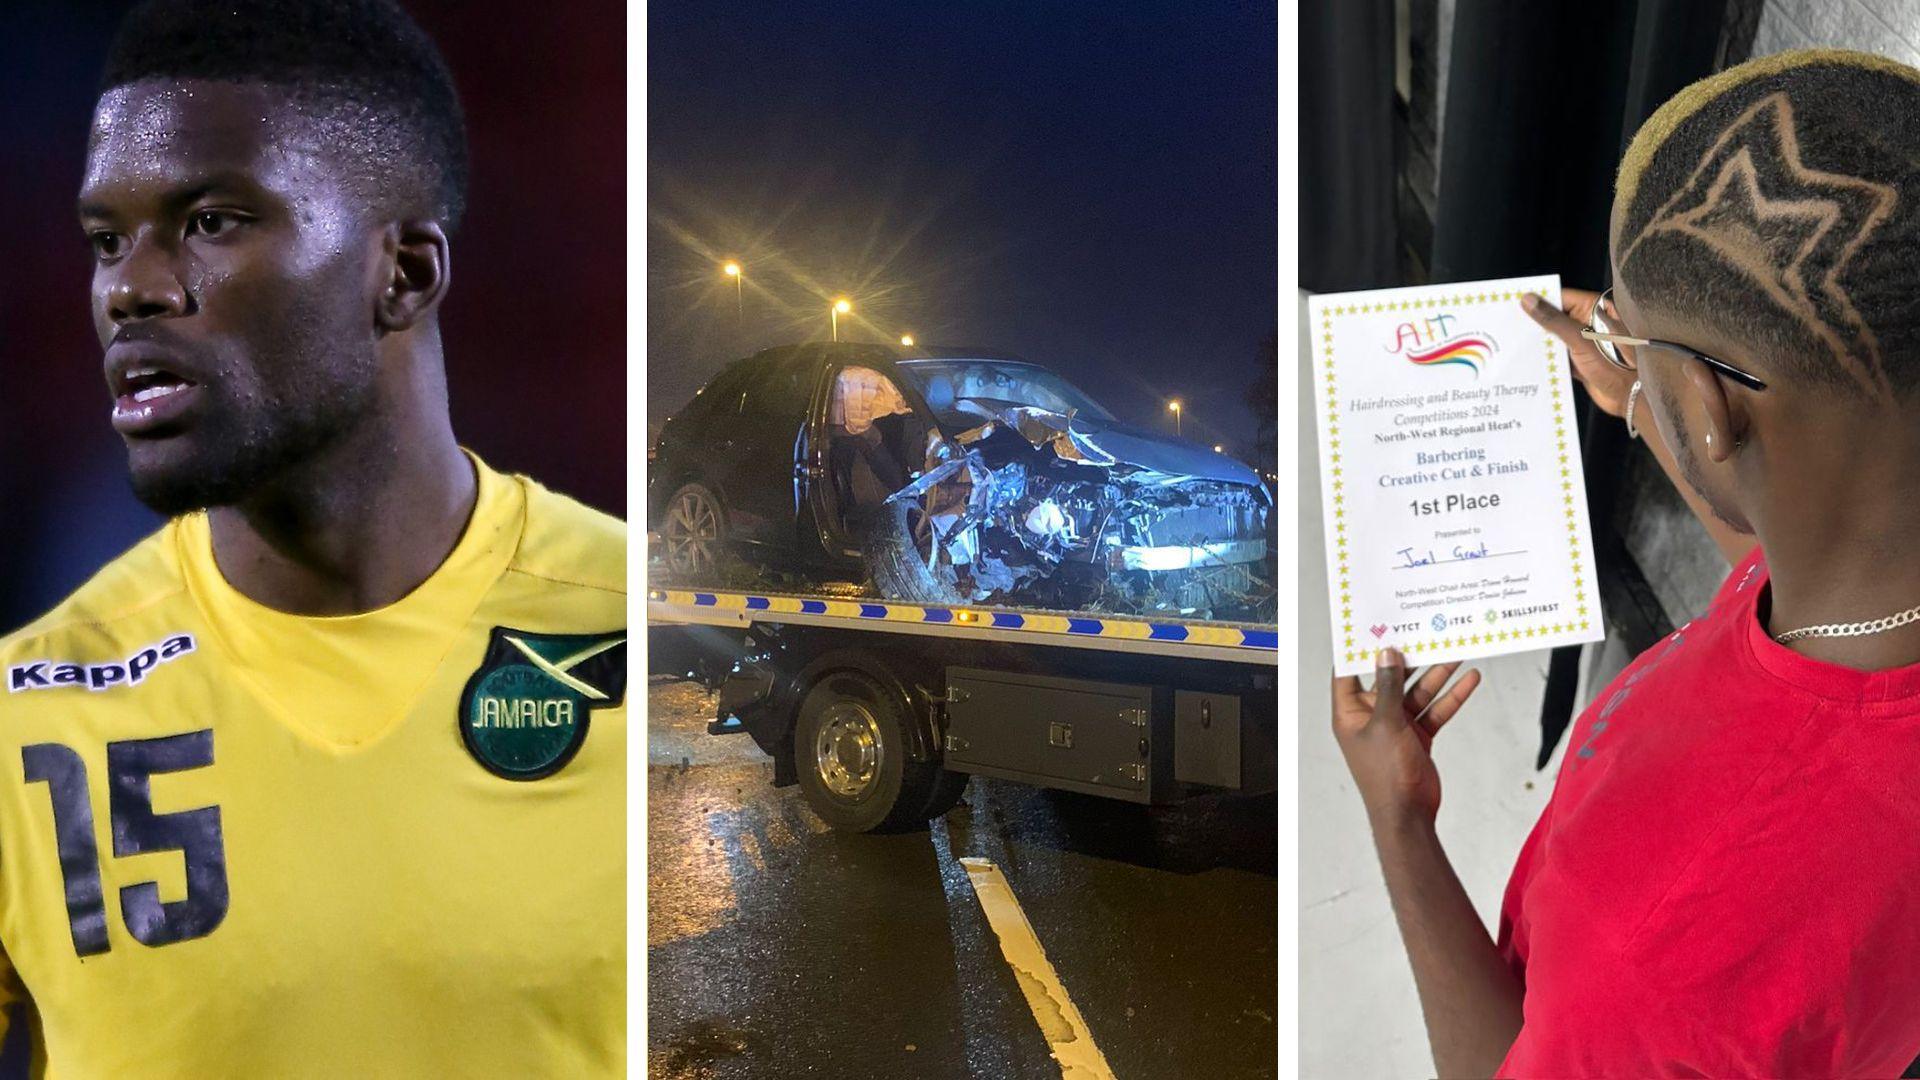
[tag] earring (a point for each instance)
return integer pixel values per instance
(1709, 440)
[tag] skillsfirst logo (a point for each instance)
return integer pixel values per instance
(1431, 342)
(52, 674)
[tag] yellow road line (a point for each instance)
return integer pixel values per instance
(1066, 1032)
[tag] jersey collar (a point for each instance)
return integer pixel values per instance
(346, 679)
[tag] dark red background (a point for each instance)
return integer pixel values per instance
(534, 324)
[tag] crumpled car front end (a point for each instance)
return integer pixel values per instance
(1071, 512)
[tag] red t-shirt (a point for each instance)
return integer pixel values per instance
(1726, 881)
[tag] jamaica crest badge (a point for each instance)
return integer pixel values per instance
(525, 710)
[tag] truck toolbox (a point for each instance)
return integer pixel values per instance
(1076, 734)
(1206, 739)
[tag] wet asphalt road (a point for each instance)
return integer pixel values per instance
(776, 948)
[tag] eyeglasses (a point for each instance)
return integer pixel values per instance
(1608, 337)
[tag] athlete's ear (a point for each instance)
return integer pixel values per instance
(417, 267)
(1726, 419)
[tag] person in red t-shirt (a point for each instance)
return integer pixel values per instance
(1726, 880)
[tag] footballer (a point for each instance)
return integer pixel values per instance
(325, 778)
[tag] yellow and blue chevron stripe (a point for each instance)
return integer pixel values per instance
(1254, 639)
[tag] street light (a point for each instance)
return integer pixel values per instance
(1218, 449)
(739, 299)
(1174, 408)
(906, 340)
(840, 307)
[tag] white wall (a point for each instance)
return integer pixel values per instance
(1359, 1015)
(1888, 27)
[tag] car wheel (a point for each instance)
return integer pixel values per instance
(850, 747)
(904, 560)
(694, 531)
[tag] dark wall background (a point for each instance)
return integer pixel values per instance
(1503, 169)
(534, 324)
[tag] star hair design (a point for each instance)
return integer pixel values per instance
(1789, 228)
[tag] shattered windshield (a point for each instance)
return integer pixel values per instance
(945, 383)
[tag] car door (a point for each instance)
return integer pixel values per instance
(828, 517)
(766, 433)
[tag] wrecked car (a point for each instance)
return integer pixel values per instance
(949, 479)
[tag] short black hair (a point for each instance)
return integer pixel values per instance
(1778, 203)
(366, 61)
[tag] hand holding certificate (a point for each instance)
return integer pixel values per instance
(1450, 475)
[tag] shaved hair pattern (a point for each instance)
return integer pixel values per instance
(1779, 204)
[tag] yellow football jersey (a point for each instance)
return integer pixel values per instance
(240, 843)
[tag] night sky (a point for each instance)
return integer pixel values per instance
(1088, 186)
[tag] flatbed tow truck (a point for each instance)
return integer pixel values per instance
(881, 710)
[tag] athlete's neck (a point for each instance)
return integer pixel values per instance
(355, 529)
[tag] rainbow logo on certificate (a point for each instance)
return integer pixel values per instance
(1468, 351)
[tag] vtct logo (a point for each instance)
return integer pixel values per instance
(46, 674)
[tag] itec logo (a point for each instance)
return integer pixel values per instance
(1431, 343)
(52, 674)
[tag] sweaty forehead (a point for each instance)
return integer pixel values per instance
(155, 136)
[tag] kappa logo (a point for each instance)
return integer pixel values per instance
(53, 674)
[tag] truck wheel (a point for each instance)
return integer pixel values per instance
(850, 749)
(694, 530)
(901, 556)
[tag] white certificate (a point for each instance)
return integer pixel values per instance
(1456, 513)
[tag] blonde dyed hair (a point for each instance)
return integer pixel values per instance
(1792, 204)
(1667, 118)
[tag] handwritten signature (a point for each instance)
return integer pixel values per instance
(1461, 553)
